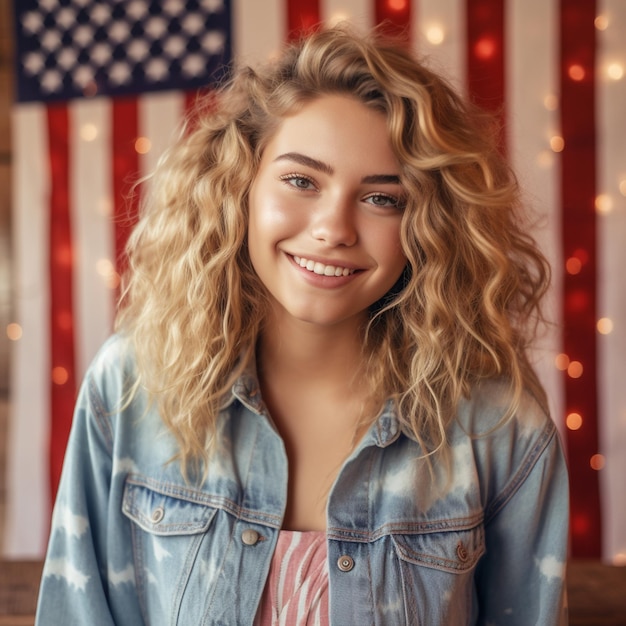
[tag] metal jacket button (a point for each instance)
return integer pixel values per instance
(157, 515)
(345, 563)
(249, 537)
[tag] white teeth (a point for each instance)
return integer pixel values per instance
(321, 269)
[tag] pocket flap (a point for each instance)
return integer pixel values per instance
(454, 551)
(157, 511)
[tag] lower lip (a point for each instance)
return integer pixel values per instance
(320, 280)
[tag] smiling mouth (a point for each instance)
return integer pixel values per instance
(321, 269)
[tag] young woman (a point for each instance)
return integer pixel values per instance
(318, 407)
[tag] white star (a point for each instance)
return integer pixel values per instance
(174, 46)
(213, 42)
(32, 22)
(193, 24)
(120, 73)
(66, 17)
(101, 53)
(83, 35)
(119, 31)
(156, 27)
(83, 76)
(51, 40)
(100, 14)
(194, 65)
(34, 62)
(138, 50)
(173, 7)
(137, 9)
(214, 6)
(49, 5)
(66, 58)
(51, 81)
(157, 69)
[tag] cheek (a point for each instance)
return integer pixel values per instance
(273, 217)
(385, 240)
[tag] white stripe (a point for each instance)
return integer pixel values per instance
(447, 57)
(27, 452)
(611, 99)
(360, 13)
(531, 77)
(160, 116)
(259, 29)
(92, 229)
(282, 577)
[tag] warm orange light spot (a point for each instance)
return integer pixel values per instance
(604, 203)
(622, 187)
(597, 462)
(573, 266)
(574, 421)
(59, 375)
(14, 331)
(605, 326)
(142, 145)
(557, 143)
(551, 102)
(615, 71)
(620, 559)
(397, 5)
(576, 72)
(561, 361)
(435, 35)
(485, 48)
(601, 22)
(575, 369)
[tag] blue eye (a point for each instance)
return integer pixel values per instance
(299, 181)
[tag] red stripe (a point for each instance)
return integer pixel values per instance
(578, 191)
(302, 16)
(125, 171)
(61, 254)
(485, 57)
(394, 17)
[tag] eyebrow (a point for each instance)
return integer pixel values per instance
(320, 166)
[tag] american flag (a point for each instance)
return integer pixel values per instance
(102, 86)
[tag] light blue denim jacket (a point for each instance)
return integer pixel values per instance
(132, 543)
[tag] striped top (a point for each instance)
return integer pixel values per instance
(296, 593)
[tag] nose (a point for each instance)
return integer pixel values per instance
(334, 223)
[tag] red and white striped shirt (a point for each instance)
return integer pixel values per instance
(296, 592)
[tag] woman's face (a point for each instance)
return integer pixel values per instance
(325, 213)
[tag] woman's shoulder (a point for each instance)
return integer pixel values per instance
(493, 405)
(114, 357)
(112, 372)
(505, 436)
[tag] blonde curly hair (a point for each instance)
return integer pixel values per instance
(464, 309)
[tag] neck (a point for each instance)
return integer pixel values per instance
(289, 348)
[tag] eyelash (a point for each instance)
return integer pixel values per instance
(397, 203)
(294, 176)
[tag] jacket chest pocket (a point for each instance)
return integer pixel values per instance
(437, 573)
(167, 530)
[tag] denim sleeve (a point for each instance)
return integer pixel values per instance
(521, 579)
(76, 583)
